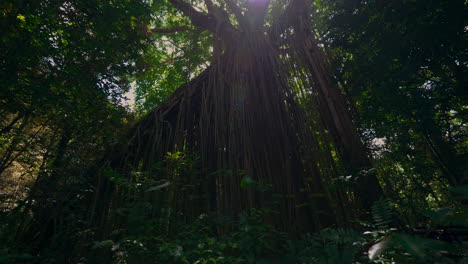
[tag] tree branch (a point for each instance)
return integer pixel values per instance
(222, 17)
(198, 19)
(211, 21)
(209, 5)
(235, 9)
(292, 11)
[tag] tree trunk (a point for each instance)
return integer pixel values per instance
(247, 118)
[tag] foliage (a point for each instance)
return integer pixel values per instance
(337, 246)
(247, 238)
(404, 64)
(65, 66)
(70, 194)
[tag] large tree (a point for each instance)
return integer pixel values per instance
(265, 110)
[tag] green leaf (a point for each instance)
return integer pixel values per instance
(247, 182)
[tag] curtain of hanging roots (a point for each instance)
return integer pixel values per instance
(257, 112)
(247, 115)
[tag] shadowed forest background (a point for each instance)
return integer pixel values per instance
(233, 131)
